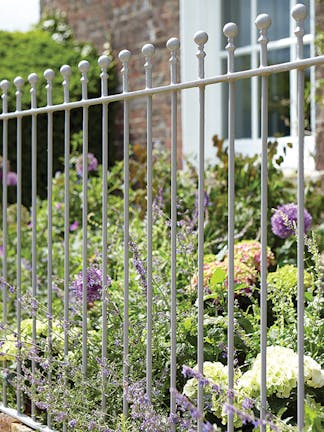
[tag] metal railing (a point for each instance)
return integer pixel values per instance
(231, 77)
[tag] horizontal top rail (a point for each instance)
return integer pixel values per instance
(249, 73)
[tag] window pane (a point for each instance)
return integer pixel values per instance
(238, 12)
(279, 99)
(279, 10)
(242, 101)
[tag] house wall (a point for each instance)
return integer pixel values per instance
(129, 24)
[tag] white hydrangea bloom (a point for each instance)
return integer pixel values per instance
(282, 373)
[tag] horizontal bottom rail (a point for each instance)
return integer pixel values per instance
(25, 419)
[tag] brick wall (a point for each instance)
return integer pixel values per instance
(9, 424)
(129, 24)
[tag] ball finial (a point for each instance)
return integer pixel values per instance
(299, 12)
(200, 37)
(49, 74)
(19, 82)
(84, 66)
(263, 21)
(230, 30)
(173, 44)
(66, 70)
(33, 78)
(124, 56)
(148, 50)
(4, 84)
(103, 61)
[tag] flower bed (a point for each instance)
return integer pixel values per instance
(58, 385)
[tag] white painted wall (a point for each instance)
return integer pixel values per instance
(198, 15)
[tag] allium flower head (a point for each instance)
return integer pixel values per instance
(284, 220)
(94, 285)
(11, 178)
(92, 164)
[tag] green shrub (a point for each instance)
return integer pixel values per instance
(36, 51)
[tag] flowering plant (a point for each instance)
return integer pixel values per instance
(92, 164)
(284, 220)
(94, 285)
(282, 373)
(283, 281)
(215, 277)
(249, 252)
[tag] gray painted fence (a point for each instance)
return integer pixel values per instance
(231, 77)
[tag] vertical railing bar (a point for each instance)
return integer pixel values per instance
(148, 52)
(84, 67)
(19, 82)
(5, 87)
(299, 14)
(66, 72)
(200, 39)
(33, 78)
(103, 62)
(255, 131)
(124, 57)
(312, 70)
(49, 76)
(173, 45)
(230, 31)
(263, 22)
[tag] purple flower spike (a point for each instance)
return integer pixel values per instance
(284, 220)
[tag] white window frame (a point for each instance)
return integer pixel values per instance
(206, 15)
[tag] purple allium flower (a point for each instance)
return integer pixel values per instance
(92, 164)
(284, 220)
(11, 178)
(94, 285)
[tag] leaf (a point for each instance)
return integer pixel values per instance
(214, 296)
(218, 277)
(219, 321)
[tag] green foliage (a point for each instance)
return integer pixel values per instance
(36, 51)
(282, 289)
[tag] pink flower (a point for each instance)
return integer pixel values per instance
(249, 253)
(74, 226)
